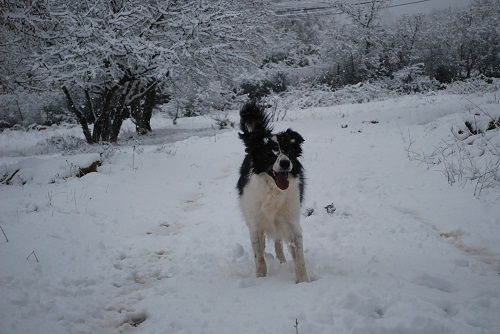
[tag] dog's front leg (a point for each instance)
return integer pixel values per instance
(278, 248)
(297, 251)
(258, 245)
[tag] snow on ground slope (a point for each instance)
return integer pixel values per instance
(69, 138)
(155, 243)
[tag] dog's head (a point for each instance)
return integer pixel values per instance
(275, 154)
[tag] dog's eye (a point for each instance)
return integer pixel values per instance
(266, 140)
(292, 140)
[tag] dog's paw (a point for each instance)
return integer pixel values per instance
(261, 268)
(302, 279)
(260, 274)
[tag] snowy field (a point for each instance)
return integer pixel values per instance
(154, 242)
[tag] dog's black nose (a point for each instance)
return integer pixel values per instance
(284, 163)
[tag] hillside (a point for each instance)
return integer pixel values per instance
(154, 242)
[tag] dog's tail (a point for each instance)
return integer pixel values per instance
(253, 118)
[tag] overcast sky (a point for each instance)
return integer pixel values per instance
(389, 15)
(424, 7)
(406, 5)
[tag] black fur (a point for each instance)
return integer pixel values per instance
(253, 118)
(256, 134)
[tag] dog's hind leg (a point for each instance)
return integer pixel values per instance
(258, 245)
(278, 248)
(297, 251)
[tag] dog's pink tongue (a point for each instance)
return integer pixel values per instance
(282, 180)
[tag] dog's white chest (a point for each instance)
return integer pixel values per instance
(268, 208)
(273, 201)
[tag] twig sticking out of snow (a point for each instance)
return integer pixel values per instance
(296, 326)
(7, 181)
(72, 168)
(5, 235)
(50, 194)
(133, 158)
(483, 111)
(34, 254)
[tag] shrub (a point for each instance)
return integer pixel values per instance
(259, 88)
(445, 74)
(54, 112)
(32, 108)
(411, 79)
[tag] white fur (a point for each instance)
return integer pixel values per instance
(275, 213)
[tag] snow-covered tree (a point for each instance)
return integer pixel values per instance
(366, 19)
(20, 38)
(109, 56)
(477, 33)
(407, 38)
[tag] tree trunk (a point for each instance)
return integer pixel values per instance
(105, 117)
(79, 115)
(352, 76)
(119, 115)
(135, 108)
(149, 104)
(141, 114)
(90, 106)
(96, 133)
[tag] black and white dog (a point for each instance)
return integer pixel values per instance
(271, 188)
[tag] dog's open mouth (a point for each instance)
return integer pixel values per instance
(280, 178)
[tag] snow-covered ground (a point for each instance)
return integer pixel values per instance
(155, 243)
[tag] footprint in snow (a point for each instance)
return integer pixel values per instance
(226, 172)
(435, 283)
(165, 229)
(193, 202)
(134, 319)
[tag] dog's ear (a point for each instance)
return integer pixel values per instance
(294, 140)
(295, 137)
(254, 140)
